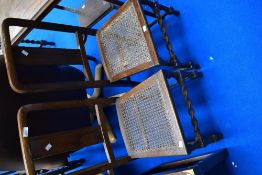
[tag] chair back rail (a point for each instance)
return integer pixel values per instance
(57, 143)
(46, 56)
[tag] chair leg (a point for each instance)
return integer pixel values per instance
(110, 131)
(174, 61)
(199, 141)
(173, 57)
(207, 139)
(198, 137)
(107, 145)
(186, 76)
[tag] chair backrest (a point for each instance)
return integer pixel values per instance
(28, 56)
(52, 144)
(125, 43)
(148, 120)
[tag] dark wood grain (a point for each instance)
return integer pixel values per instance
(46, 56)
(63, 142)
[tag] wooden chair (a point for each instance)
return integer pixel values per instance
(125, 42)
(119, 53)
(16, 56)
(199, 165)
(148, 121)
(10, 150)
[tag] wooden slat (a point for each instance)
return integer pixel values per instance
(107, 145)
(63, 142)
(70, 85)
(46, 56)
(87, 69)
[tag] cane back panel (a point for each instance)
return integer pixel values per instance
(148, 120)
(125, 43)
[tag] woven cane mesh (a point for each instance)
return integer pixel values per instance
(123, 43)
(147, 123)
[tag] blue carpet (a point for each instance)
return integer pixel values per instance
(224, 37)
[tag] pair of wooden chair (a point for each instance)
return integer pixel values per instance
(148, 119)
